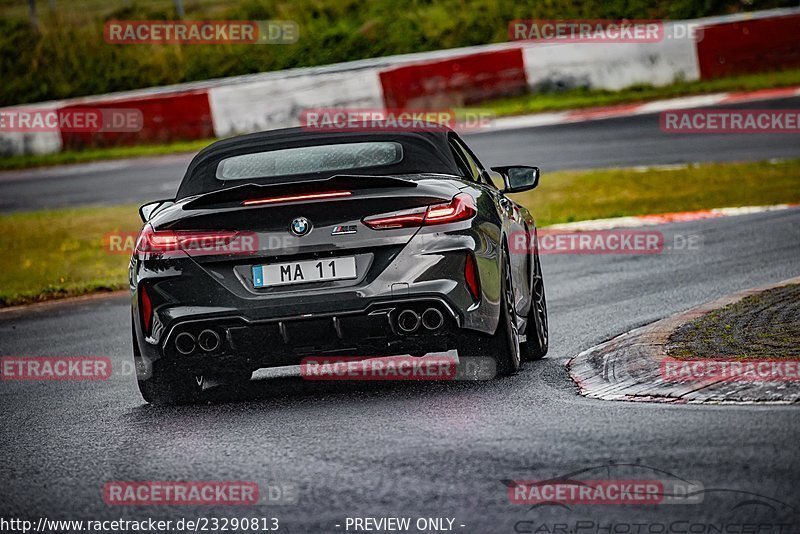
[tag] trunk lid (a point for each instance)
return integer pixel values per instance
(262, 218)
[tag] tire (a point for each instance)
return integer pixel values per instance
(165, 384)
(168, 386)
(537, 339)
(504, 345)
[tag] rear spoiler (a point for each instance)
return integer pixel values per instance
(340, 182)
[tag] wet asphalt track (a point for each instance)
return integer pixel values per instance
(423, 449)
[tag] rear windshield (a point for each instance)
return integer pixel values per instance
(309, 159)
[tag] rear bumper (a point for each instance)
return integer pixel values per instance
(262, 328)
(224, 341)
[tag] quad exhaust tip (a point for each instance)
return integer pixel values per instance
(208, 340)
(408, 321)
(185, 343)
(432, 319)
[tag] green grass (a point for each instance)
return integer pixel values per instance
(58, 253)
(67, 56)
(582, 98)
(772, 329)
(568, 196)
(97, 154)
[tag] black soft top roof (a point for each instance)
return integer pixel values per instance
(425, 151)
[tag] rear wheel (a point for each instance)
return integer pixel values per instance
(537, 333)
(167, 385)
(504, 345)
(505, 342)
(163, 383)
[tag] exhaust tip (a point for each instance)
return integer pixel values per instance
(432, 319)
(208, 340)
(408, 321)
(185, 343)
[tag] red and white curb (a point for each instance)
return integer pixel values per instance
(628, 367)
(666, 218)
(626, 110)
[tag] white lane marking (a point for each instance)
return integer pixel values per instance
(664, 218)
(666, 167)
(686, 102)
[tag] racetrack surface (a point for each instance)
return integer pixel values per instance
(423, 449)
(621, 142)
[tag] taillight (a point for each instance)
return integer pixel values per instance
(146, 309)
(151, 241)
(205, 241)
(461, 208)
(471, 277)
(399, 219)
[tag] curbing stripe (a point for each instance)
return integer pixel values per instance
(627, 367)
(666, 218)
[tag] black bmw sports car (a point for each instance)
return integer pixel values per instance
(289, 243)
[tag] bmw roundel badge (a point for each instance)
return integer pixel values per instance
(300, 226)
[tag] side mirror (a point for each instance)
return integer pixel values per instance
(518, 178)
(146, 211)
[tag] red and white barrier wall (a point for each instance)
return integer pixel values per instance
(459, 80)
(735, 44)
(611, 66)
(749, 45)
(166, 117)
(277, 101)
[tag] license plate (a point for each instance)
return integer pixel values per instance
(302, 272)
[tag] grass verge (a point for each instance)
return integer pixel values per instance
(59, 253)
(763, 326)
(568, 196)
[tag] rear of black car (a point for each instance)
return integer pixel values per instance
(253, 270)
